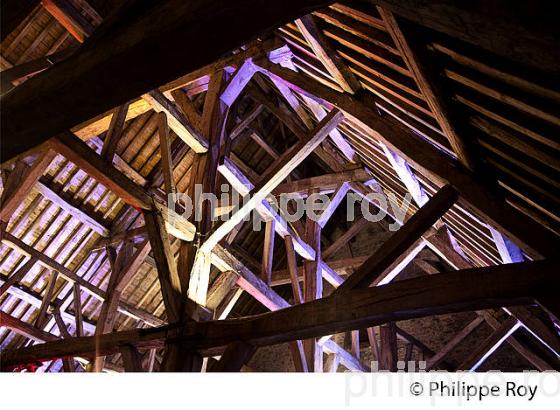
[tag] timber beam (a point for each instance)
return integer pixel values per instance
(467, 290)
(441, 169)
(103, 171)
(529, 38)
(126, 60)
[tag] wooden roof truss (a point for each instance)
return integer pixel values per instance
(377, 122)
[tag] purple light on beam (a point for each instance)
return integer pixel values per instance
(495, 347)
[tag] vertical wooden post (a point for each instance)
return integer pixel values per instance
(373, 343)
(388, 347)
(268, 251)
(78, 310)
(165, 151)
(293, 269)
(356, 343)
(132, 360)
(313, 289)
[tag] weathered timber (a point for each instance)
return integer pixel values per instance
(436, 294)
(125, 60)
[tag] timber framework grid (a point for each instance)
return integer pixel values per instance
(105, 115)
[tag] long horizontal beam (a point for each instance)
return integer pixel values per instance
(467, 290)
(325, 183)
(26, 330)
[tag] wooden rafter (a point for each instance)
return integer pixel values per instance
(70, 18)
(299, 153)
(114, 133)
(427, 83)
(236, 178)
(490, 344)
(177, 121)
(402, 240)
(428, 160)
(327, 54)
(98, 73)
(325, 183)
(21, 181)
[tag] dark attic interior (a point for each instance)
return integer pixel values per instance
(443, 117)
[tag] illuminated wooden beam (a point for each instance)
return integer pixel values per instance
(242, 185)
(426, 159)
(490, 345)
(324, 183)
(70, 18)
(322, 48)
(21, 181)
(177, 121)
(402, 240)
(300, 151)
